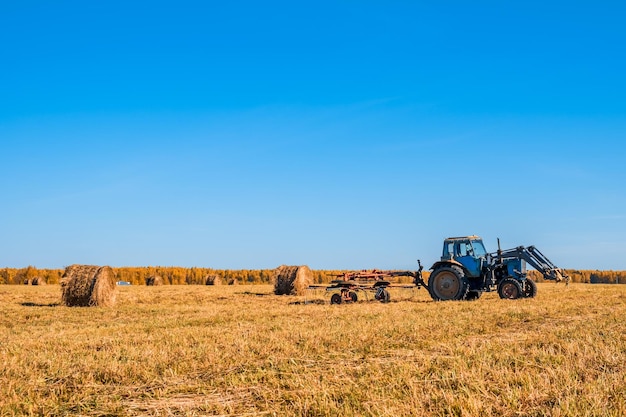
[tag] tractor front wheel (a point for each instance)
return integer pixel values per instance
(530, 288)
(510, 289)
(448, 283)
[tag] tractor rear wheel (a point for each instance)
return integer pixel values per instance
(448, 283)
(530, 288)
(510, 289)
(335, 298)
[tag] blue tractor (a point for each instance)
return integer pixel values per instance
(466, 270)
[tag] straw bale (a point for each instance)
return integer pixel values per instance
(88, 285)
(154, 280)
(233, 281)
(213, 279)
(38, 281)
(292, 280)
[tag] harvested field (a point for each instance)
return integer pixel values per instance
(241, 350)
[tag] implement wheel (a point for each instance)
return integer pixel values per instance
(530, 288)
(448, 283)
(353, 296)
(335, 298)
(510, 289)
(382, 295)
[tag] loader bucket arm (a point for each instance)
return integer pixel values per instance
(537, 260)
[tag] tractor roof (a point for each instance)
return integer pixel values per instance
(472, 237)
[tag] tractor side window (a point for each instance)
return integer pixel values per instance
(479, 248)
(462, 249)
(448, 249)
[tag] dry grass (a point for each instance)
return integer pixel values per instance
(219, 350)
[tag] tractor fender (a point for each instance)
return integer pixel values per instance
(449, 262)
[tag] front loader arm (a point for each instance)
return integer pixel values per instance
(537, 260)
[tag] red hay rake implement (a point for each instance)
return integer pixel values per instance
(348, 284)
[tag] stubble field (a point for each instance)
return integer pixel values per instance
(239, 350)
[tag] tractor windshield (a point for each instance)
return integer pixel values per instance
(479, 248)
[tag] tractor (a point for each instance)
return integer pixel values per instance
(466, 270)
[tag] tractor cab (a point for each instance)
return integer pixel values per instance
(469, 251)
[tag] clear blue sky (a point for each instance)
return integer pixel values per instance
(337, 134)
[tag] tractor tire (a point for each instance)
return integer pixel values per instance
(335, 298)
(473, 295)
(448, 283)
(383, 295)
(510, 289)
(353, 296)
(530, 288)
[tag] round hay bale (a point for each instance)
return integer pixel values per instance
(38, 281)
(233, 281)
(292, 280)
(26, 281)
(88, 286)
(213, 280)
(154, 280)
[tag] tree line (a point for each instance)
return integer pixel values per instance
(199, 276)
(588, 276)
(169, 275)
